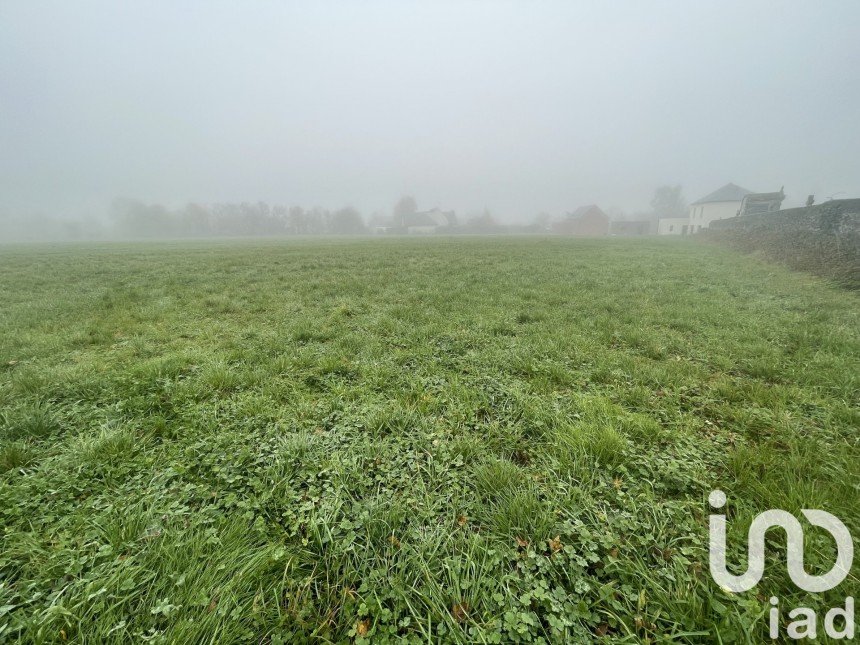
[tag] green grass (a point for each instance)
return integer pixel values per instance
(466, 440)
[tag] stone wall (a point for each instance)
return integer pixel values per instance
(822, 239)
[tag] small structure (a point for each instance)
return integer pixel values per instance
(757, 203)
(432, 221)
(586, 221)
(673, 226)
(638, 227)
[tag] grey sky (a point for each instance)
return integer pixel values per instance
(519, 107)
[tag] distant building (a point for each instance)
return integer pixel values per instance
(673, 226)
(728, 201)
(586, 221)
(639, 227)
(720, 204)
(432, 221)
(757, 203)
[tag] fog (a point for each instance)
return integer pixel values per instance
(511, 108)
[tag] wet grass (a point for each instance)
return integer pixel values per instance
(468, 440)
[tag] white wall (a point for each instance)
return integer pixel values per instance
(701, 215)
(671, 225)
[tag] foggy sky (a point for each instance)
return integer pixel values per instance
(517, 107)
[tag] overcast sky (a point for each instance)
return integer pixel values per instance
(520, 107)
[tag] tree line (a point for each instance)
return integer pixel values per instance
(134, 219)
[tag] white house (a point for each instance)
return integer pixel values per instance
(720, 204)
(723, 203)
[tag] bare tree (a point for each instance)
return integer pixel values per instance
(346, 221)
(668, 201)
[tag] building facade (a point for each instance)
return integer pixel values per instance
(673, 225)
(759, 203)
(720, 204)
(723, 203)
(585, 221)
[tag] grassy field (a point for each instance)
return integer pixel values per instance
(465, 440)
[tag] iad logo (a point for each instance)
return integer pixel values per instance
(805, 628)
(794, 534)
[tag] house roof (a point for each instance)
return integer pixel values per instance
(582, 210)
(766, 197)
(434, 217)
(728, 193)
